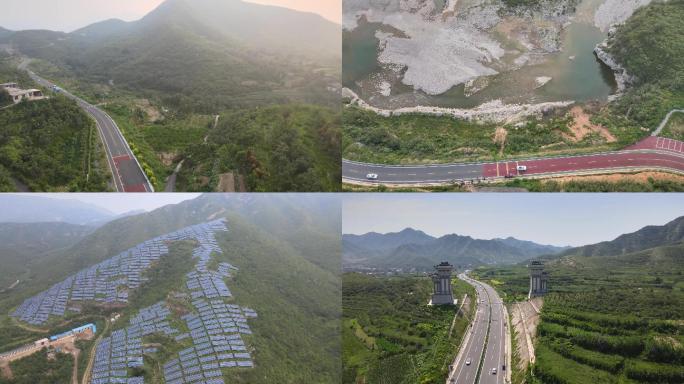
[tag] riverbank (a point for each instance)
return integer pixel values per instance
(494, 111)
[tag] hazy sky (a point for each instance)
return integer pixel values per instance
(124, 202)
(69, 15)
(558, 219)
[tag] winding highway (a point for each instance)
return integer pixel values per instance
(653, 153)
(484, 347)
(128, 175)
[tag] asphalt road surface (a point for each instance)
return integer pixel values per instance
(653, 153)
(128, 175)
(488, 318)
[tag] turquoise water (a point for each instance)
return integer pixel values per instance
(359, 53)
(439, 5)
(582, 79)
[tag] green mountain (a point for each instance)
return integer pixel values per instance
(283, 245)
(645, 238)
(414, 249)
(239, 53)
(23, 244)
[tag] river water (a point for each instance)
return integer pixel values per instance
(575, 71)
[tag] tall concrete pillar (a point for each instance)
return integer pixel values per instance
(442, 282)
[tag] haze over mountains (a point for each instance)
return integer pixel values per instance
(207, 47)
(37, 209)
(415, 249)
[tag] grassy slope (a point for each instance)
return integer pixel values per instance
(24, 244)
(389, 333)
(675, 127)
(649, 185)
(608, 319)
(427, 139)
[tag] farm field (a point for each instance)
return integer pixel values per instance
(608, 319)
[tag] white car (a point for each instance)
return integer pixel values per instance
(468, 362)
(493, 371)
(372, 176)
(522, 168)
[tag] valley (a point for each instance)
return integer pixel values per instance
(613, 312)
(599, 311)
(164, 78)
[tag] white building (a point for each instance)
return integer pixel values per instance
(17, 94)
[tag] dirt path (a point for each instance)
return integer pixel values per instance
(582, 126)
(6, 370)
(453, 322)
(74, 374)
(524, 319)
(28, 327)
(171, 181)
(91, 357)
(226, 182)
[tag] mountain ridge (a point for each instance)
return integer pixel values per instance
(240, 53)
(647, 237)
(38, 209)
(411, 248)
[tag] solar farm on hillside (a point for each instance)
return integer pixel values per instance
(210, 332)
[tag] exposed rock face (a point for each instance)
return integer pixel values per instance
(542, 80)
(439, 56)
(622, 78)
(434, 50)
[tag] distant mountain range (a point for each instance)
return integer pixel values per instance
(411, 248)
(5, 32)
(194, 47)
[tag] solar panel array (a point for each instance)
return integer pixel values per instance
(214, 328)
(124, 348)
(109, 282)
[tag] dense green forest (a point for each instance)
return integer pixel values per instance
(390, 335)
(51, 145)
(650, 46)
(609, 319)
(278, 148)
(39, 369)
